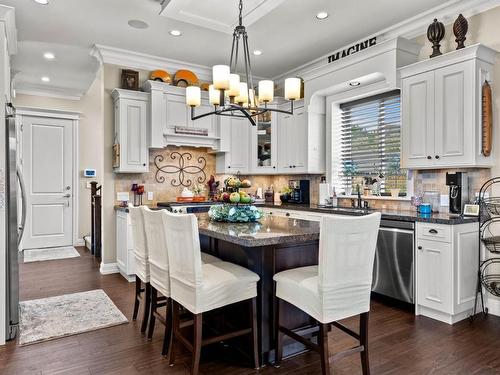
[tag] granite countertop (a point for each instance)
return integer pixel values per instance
(271, 230)
(400, 215)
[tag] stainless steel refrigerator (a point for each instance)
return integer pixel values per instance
(15, 220)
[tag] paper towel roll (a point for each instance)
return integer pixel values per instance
(324, 192)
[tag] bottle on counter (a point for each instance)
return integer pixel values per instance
(269, 195)
(334, 200)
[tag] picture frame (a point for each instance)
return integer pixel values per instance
(130, 79)
(471, 210)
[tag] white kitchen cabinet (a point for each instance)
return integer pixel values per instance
(446, 270)
(168, 110)
(124, 246)
(130, 109)
(264, 147)
(441, 110)
(292, 141)
(237, 132)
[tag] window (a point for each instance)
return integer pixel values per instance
(367, 144)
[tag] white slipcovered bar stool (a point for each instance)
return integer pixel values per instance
(338, 288)
(159, 272)
(141, 265)
(201, 287)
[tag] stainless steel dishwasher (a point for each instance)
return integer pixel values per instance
(393, 270)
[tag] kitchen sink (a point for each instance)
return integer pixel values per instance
(346, 210)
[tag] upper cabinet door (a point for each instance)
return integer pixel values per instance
(285, 140)
(132, 136)
(299, 149)
(264, 144)
(454, 119)
(177, 112)
(418, 121)
(240, 145)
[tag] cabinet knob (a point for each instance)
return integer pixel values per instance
(433, 231)
(295, 166)
(228, 167)
(429, 157)
(144, 164)
(437, 156)
(287, 214)
(419, 247)
(274, 166)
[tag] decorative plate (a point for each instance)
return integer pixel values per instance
(161, 75)
(184, 78)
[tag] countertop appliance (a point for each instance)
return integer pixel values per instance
(300, 191)
(393, 270)
(458, 183)
(14, 223)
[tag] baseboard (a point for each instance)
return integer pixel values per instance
(109, 268)
(79, 242)
(493, 305)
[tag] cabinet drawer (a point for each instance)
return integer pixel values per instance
(436, 232)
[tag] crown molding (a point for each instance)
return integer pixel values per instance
(409, 29)
(8, 18)
(142, 61)
(45, 112)
(48, 94)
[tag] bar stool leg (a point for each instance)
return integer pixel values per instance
(278, 336)
(137, 294)
(197, 339)
(167, 337)
(363, 340)
(152, 318)
(255, 333)
(323, 344)
(175, 331)
(147, 303)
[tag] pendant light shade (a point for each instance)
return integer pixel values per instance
(266, 91)
(292, 88)
(193, 96)
(213, 95)
(234, 85)
(221, 77)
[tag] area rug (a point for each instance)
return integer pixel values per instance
(40, 255)
(70, 314)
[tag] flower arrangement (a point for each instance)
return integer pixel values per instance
(234, 214)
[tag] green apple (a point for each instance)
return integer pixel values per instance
(246, 199)
(234, 197)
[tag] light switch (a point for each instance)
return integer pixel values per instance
(150, 195)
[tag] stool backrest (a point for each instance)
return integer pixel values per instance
(138, 233)
(155, 238)
(346, 256)
(184, 252)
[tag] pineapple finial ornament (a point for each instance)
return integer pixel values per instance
(460, 28)
(435, 33)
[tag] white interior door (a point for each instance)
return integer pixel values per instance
(47, 167)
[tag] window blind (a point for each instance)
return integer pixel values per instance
(370, 140)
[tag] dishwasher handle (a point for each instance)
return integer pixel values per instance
(397, 230)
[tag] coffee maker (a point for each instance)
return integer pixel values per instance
(300, 191)
(458, 183)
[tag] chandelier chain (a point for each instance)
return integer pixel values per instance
(241, 13)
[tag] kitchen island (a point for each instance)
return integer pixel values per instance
(268, 247)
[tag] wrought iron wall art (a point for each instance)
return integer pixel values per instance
(180, 169)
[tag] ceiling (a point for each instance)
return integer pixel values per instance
(287, 32)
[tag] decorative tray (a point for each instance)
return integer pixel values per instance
(191, 199)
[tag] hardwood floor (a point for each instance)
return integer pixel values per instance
(400, 343)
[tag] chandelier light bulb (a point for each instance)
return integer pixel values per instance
(292, 88)
(266, 91)
(193, 96)
(213, 95)
(221, 77)
(234, 85)
(242, 98)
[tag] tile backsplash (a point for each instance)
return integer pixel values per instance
(166, 191)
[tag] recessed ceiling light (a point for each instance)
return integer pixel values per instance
(49, 56)
(45, 79)
(322, 15)
(138, 24)
(175, 33)
(43, 2)
(257, 52)
(354, 83)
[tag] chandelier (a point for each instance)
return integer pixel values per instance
(229, 96)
